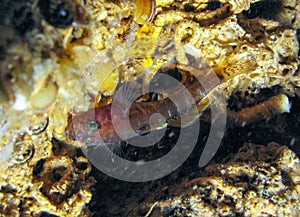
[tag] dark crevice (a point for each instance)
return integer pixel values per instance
(298, 38)
(267, 9)
(57, 13)
(213, 5)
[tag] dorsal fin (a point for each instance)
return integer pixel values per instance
(126, 94)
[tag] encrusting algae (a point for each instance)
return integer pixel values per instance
(246, 186)
(74, 56)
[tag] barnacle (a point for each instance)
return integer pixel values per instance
(24, 152)
(39, 124)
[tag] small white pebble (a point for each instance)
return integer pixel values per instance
(21, 103)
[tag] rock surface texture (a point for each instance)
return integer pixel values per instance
(60, 58)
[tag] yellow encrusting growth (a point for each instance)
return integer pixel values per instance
(144, 10)
(60, 73)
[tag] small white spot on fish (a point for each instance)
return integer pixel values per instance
(195, 187)
(202, 94)
(169, 113)
(170, 135)
(292, 142)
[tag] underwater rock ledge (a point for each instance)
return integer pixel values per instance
(59, 62)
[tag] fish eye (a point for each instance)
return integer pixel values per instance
(93, 125)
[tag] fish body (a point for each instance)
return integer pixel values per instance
(98, 125)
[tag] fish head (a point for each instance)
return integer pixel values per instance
(93, 127)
